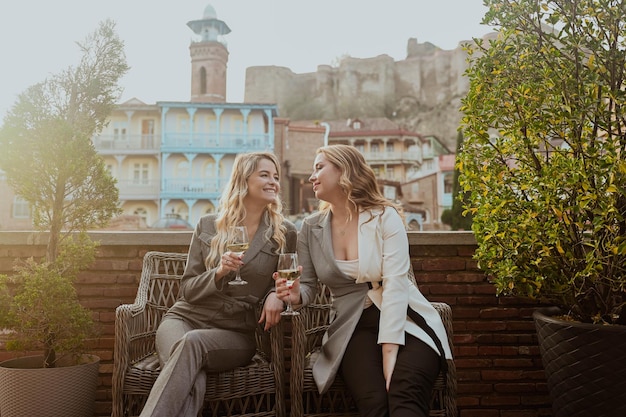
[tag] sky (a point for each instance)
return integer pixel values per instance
(38, 37)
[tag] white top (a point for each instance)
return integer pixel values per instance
(351, 269)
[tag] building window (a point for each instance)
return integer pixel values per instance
(182, 211)
(141, 212)
(21, 208)
(237, 124)
(182, 169)
(360, 147)
(375, 147)
(448, 181)
(183, 123)
(202, 80)
(389, 147)
(210, 124)
(141, 173)
(147, 133)
(209, 169)
(119, 130)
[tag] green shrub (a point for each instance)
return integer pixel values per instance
(544, 157)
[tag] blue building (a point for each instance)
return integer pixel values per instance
(174, 158)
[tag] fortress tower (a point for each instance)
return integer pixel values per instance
(209, 58)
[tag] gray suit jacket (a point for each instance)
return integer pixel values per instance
(204, 302)
(383, 258)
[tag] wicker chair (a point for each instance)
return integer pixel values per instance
(308, 330)
(255, 389)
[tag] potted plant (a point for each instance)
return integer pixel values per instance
(40, 309)
(49, 160)
(544, 161)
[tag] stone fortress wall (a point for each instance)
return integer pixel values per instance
(422, 93)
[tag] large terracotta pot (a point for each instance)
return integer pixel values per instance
(27, 389)
(585, 366)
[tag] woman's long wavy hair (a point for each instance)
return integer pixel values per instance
(357, 180)
(232, 211)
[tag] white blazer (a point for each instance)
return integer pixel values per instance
(384, 262)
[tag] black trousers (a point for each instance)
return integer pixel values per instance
(413, 377)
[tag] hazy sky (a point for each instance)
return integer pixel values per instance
(37, 37)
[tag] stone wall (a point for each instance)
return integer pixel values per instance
(422, 92)
(495, 346)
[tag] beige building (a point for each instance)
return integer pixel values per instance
(429, 192)
(392, 152)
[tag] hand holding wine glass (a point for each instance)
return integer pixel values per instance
(238, 243)
(288, 269)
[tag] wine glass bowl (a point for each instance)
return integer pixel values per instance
(288, 269)
(238, 242)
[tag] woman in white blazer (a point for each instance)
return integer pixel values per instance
(357, 245)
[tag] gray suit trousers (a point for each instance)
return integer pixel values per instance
(186, 354)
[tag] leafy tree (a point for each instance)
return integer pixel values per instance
(49, 160)
(47, 153)
(456, 217)
(544, 158)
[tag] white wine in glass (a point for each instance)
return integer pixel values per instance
(238, 242)
(288, 269)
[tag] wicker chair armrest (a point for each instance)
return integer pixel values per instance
(277, 358)
(445, 312)
(130, 322)
(299, 352)
(270, 344)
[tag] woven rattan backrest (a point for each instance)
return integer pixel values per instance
(161, 277)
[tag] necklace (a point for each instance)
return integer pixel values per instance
(342, 231)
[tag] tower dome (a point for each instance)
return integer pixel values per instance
(209, 12)
(209, 58)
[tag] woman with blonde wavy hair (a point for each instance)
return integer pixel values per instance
(211, 326)
(386, 340)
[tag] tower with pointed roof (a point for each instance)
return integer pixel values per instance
(209, 58)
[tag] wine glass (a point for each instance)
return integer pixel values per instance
(238, 243)
(288, 269)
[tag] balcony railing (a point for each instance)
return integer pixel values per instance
(138, 189)
(172, 188)
(399, 157)
(193, 188)
(211, 142)
(186, 142)
(126, 143)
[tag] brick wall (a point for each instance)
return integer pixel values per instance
(495, 346)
